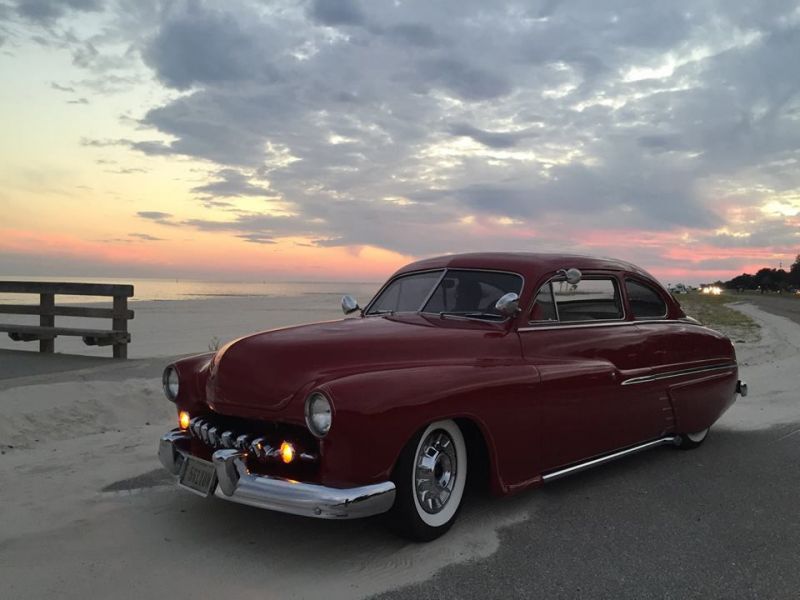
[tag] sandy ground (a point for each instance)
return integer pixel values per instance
(87, 512)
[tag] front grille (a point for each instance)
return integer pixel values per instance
(260, 442)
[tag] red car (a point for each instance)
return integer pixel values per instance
(505, 369)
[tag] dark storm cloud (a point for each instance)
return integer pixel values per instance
(358, 116)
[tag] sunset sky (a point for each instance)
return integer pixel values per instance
(331, 140)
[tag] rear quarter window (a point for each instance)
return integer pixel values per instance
(645, 302)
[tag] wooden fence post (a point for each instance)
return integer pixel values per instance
(120, 323)
(47, 319)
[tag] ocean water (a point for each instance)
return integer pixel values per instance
(189, 289)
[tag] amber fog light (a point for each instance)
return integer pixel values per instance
(171, 383)
(287, 452)
(319, 414)
(183, 419)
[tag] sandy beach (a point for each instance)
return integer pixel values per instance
(87, 511)
(175, 327)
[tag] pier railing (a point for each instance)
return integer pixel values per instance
(46, 332)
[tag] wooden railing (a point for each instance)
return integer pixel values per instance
(46, 332)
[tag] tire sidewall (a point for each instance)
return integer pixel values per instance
(450, 510)
(405, 517)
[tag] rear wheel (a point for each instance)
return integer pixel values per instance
(430, 476)
(689, 441)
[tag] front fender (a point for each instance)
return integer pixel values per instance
(377, 413)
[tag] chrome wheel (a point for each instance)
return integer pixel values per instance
(435, 472)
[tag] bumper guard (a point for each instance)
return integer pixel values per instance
(237, 484)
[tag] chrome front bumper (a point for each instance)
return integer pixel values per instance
(237, 484)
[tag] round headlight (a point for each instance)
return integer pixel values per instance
(171, 383)
(318, 414)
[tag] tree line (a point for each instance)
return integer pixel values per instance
(768, 279)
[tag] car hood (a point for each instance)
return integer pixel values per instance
(264, 371)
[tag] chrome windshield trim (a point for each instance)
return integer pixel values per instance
(679, 373)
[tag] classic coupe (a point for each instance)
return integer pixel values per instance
(509, 370)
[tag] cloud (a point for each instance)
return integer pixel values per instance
(425, 127)
(199, 45)
(62, 88)
(492, 139)
(162, 218)
(465, 80)
(232, 183)
(336, 12)
(145, 237)
(47, 11)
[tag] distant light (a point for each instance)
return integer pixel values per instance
(287, 452)
(183, 419)
(713, 290)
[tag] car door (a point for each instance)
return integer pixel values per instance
(584, 346)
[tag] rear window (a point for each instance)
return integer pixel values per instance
(645, 302)
(592, 299)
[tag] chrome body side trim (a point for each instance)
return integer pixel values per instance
(577, 325)
(680, 373)
(601, 460)
(238, 484)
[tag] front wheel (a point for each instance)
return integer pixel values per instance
(688, 441)
(430, 476)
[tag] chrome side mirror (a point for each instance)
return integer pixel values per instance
(349, 305)
(508, 305)
(573, 276)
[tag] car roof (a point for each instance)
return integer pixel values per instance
(529, 264)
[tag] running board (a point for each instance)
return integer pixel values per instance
(601, 460)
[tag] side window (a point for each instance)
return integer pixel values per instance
(645, 302)
(589, 300)
(544, 309)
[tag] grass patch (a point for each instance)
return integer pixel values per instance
(713, 312)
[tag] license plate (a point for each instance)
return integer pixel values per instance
(198, 476)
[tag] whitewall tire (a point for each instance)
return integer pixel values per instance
(430, 477)
(688, 441)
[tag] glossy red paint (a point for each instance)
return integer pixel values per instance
(543, 396)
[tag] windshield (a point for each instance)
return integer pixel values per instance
(460, 292)
(406, 293)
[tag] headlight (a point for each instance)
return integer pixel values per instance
(171, 383)
(318, 414)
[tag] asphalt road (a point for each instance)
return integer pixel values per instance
(720, 521)
(783, 305)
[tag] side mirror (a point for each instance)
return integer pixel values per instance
(349, 305)
(573, 276)
(508, 305)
